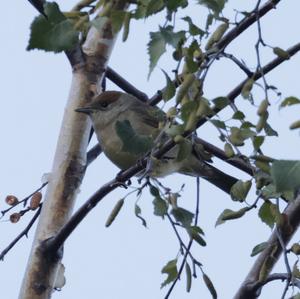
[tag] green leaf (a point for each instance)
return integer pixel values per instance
(289, 101)
(286, 175)
(270, 192)
(156, 47)
(172, 38)
(154, 191)
(259, 248)
(215, 5)
(258, 141)
(238, 136)
(228, 214)
(247, 125)
(137, 212)
(238, 115)
(269, 131)
(218, 123)
(132, 142)
(210, 286)
(170, 89)
(221, 102)
(183, 216)
(239, 190)
(55, 34)
(173, 5)
(185, 149)
(193, 29)
(186, 110)
(266, 215)
(117, 19)
(171, 270)
(160, 206)
(154, 7)
(195, 235)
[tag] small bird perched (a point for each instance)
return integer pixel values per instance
(111, 111)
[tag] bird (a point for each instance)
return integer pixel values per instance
(112, 111)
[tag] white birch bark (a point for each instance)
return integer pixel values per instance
(69, 163)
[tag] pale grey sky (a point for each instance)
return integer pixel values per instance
(125, 260)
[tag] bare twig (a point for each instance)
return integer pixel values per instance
(82, 4)
(125, 85)
(241, 65)
(22, 234)
(24, 200)
(188, 247)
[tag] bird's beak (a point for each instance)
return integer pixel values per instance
(86, 110)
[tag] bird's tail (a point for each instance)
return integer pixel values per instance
(213, 175)
(222, 180)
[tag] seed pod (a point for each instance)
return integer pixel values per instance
(263, 107)
(188, 277)
(262, 121)
(295, 125)
(35, 200)
(11, 200)
(184, 87)
(203, 108)
(114, 213)
(281, 53)
(191, 122)
(217, 35)
(15, 217)
(247, 88)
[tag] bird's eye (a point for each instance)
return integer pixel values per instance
(104, 104)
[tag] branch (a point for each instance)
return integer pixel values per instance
(39, 6)
(56, 242)
(22, 234)
(246, 23)
(82, 4)
(251, 284)
(125, 85)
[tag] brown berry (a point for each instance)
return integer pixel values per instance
(15, 217)
(11, 200)
(35, 200)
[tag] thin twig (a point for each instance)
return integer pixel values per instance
(125, 85)
(241, 65)
(22, 234)
(23, 200)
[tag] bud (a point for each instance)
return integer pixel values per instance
(35, 200)
(11, 200)
(15, 217)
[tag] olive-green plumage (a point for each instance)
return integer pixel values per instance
(111, 107)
